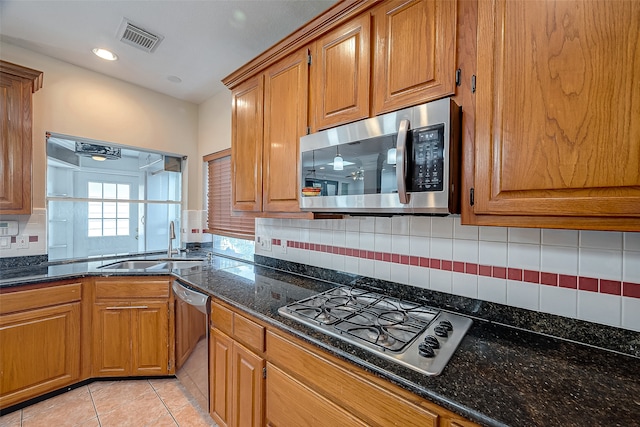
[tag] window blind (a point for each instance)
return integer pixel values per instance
(221, 218)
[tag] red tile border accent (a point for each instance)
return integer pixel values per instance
(499, 272)
(610, 287)
(591, 284)
(514, 274)
(458, 266)
(531, 276)
(33, 239)
(588, 284)
(550, 279)
(631, 290)
(566, 281)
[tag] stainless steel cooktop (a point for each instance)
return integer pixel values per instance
(416, 336)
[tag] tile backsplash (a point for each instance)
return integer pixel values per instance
(586, 275)
(34, 230)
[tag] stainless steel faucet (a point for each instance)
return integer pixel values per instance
(172, 235)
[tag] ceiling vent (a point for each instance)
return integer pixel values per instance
(138, 37)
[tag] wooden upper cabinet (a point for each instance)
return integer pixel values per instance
(414, 57)
(340, 72)
(557, 110)
(285, 121)
(246, 146)
(17, 84)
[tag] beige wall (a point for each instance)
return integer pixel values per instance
(78, 102)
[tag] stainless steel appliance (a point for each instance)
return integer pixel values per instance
(416, 336)
(192, 334)
(407, 161)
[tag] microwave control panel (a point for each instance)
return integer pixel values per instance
(427, 159)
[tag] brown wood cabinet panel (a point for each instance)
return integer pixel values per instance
(380, 407)
(127, 288)
(414, 56)
(150, 338)
(222, 318)
(340, 72)
(292, 404)
(248, 332)
(111, 339)
(286, 87)
(220, 372)
(246, 145)
(557, 101)
(52, 331)
(36, 298)
(247, 387)
(16, 87)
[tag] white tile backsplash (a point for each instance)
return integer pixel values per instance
(559, 301)
(601, 239)
(599, 308)
(567, 252)
(523, 295)
(600, 263)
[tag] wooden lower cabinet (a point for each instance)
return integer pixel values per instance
(131, 334)
(291, 403)
(305, 385)
(237, 386)
(40, 335)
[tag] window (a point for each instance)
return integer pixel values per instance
(108, 218)
(104, 199)
(221, 218)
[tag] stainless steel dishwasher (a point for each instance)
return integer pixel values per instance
(192, 310)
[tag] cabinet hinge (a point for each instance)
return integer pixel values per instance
(309, 59)
(472, 197)
(458, 77)
(473, 84)
(264, 372)
(308, 130)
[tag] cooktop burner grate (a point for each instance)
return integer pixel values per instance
(388, 326)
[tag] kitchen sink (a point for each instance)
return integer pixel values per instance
(157, 264)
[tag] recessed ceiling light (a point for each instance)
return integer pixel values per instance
(105, 54)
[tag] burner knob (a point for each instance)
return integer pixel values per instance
(441, 331)
(425, 350)
(432, 341)
(447, 325)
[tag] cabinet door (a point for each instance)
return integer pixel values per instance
(414, 56)
(248, 387)
(285, 121)
(557, 107)
(15, 150)
(111, 339)
(246, 146)
(45, 355)
(291, 403)
(220, 371)
(340, 74)
(150, 338)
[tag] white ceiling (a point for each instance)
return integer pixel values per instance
(204, 40)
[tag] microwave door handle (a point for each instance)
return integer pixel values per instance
(401, 161)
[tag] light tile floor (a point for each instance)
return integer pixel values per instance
(156, 402)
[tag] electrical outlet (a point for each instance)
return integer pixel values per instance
(22, 242)
(264, 243)
(5, 242)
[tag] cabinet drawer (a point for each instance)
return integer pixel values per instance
(222, 318)
(380, 407)
(43, 297)
(131, 288)
(306, 409)
(248, 332)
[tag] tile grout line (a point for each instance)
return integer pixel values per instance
(163, 404)
(94, 405)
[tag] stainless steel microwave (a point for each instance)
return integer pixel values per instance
(404, 162)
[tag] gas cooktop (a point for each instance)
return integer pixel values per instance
(417, 336)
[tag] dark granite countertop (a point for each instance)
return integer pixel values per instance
(499, 375)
